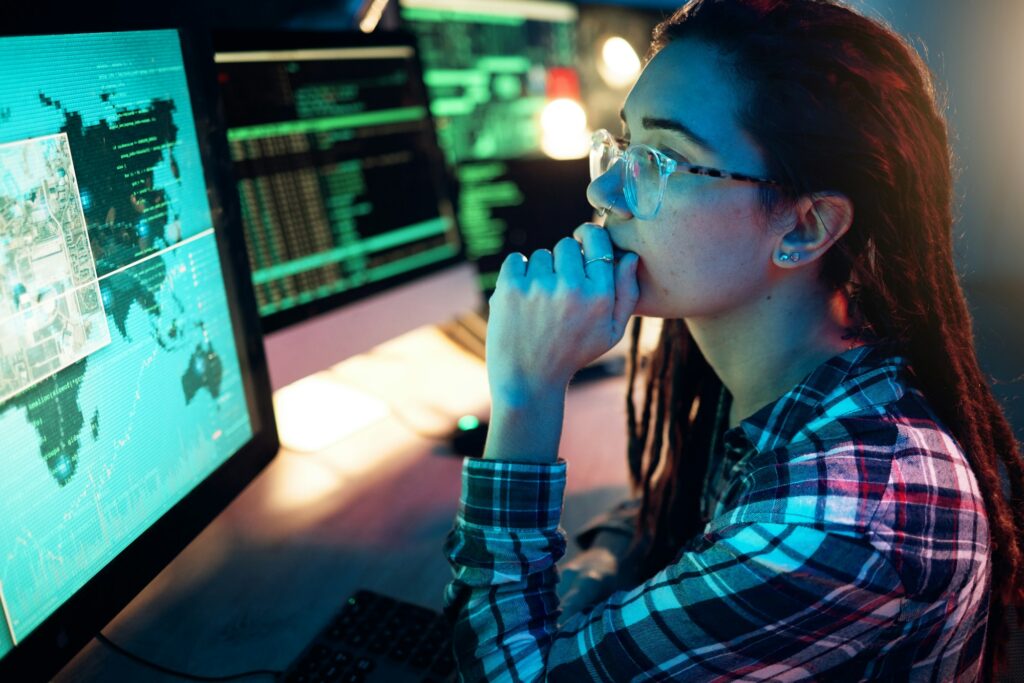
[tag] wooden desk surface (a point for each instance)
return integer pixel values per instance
(371, 511)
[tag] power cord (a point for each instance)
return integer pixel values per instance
(181, 674)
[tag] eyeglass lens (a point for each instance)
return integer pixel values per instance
(603, 153)
(642, 174)
(646, 181)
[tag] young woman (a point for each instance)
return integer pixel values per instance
(818, 458)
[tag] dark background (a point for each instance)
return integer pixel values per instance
(974, 50)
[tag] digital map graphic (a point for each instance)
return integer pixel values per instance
(53, 314)
(121, 387)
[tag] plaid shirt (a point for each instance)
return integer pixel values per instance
(848, 542)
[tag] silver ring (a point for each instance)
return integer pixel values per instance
(606, 259)
(605, 210)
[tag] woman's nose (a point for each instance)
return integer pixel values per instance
(605, 194)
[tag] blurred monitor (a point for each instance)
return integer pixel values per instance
(492, 68)
(351, 235)
(134, 402)
(527, 204)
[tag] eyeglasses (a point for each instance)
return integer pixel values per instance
(647, 171)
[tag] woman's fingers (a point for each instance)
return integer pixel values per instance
(627, 293)
(597, 244)
(569, 260)
(551, 314)
(541, 265)
(514, 266)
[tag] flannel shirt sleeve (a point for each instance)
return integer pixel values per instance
(786, 600)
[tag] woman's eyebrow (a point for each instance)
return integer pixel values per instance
(655, 123)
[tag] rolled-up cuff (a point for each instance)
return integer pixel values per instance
(501, 494)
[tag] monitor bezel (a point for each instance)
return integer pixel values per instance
(49, 647)
(249, 40)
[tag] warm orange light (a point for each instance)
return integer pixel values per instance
(619, 64)
(319, 410)
(563, 126)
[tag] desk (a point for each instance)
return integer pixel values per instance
(371, 512)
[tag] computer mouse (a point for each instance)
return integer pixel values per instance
(469, 439)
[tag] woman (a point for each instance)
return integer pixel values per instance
(818, 456)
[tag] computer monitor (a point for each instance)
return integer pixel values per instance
(134, 401)
(491, 69)
(542, 200)
(351, 234)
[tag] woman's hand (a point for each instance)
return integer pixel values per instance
(551, 315)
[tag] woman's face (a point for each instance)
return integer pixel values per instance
(708, 249)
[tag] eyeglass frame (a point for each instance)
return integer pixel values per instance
(667, 166)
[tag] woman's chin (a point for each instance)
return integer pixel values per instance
(642, 308)
(643, 305)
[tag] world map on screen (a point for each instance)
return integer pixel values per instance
(120, 383)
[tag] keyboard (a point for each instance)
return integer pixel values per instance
(377, 639)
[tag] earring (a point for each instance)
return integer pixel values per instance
(793, 258)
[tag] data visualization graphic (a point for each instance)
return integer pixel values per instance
(121, 387)
(54, 314)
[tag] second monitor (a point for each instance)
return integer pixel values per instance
(351, 236)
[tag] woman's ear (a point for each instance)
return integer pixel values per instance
(816, 222)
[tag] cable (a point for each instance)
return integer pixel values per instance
(181, 674)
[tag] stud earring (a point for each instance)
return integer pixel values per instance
(793, 258)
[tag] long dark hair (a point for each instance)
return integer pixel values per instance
(839, 102)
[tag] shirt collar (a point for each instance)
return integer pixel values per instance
(844, 385)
